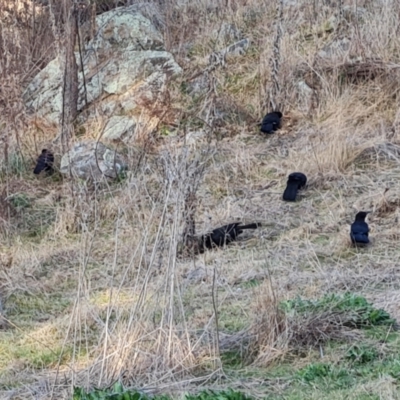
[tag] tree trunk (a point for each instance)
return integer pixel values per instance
(70, 85)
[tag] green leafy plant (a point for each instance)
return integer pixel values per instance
(231, 359)
(214, 395)
(327, 374)
(361, 354)
(314, 371)
(117, 392)
(362, 314)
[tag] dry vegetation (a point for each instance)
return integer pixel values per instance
(92, 287)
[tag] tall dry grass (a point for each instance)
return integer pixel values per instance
(136, 311)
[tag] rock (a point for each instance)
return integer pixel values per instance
(305, 95)
(119, 128)
(124, 129)
(126, 29)
(92, 160)
(126, 70)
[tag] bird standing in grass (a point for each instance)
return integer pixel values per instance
(359, 229)
(44, 162)
(271, 122)
(225, 234)
(296, 181)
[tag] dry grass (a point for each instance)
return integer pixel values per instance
(90, 280)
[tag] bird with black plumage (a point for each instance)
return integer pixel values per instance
(224, 235)
(359, 229)
(271, 122)
(295, 182)
(44, 162)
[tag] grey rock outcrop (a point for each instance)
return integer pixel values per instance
(126, 70)
(92, 160)
(119, 128)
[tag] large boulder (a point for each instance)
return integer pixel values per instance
(126, 71)
(92, 160)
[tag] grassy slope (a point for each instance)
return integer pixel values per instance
(94, 293)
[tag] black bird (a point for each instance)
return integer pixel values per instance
(271, 122)
(359, 229)
(296, 181)
(225, 234)
(44, 162)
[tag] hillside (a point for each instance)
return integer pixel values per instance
(94, 285)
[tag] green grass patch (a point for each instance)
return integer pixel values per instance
(118, 392)
(252, 283)
(361, 354)
(232, 318)
(326, 375)
(363, 314)
(30, 307)
(232, 359)
(37, 358)
(31, 220)
(29, 352)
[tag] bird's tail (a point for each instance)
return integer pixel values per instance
(359, 239)
(291, 191)
(40, 166)
(254, 225)
(267, 128)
